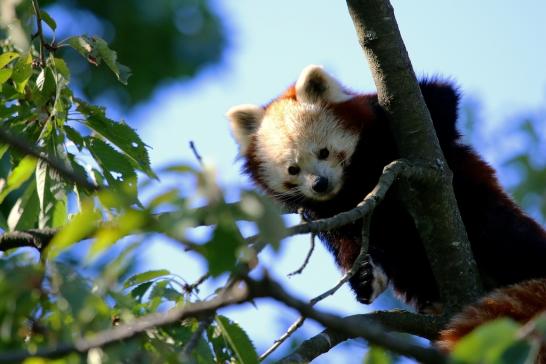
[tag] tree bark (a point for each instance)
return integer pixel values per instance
(431, 203)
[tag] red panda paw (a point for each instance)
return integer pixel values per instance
(369, 281)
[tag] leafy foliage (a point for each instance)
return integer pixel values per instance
(75, 290)
(192, 36)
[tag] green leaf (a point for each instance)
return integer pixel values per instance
(80, 227)
(22, 72)
(221, 251)
(118, 133)
(139, 291)
(18, 176)
(112, 161)
(48, 20)
(238, 341)
(52, 196)
(96, 50)
(6, 58)
(487, 343)
(267, 216)
(74, 136)
(62, 68)
(24, 213)
(128, 223)
(110, 57)
(45, 87)
(145, 277)
(377, 355)
(5, 74)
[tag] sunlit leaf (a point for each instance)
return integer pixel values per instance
(118, 133)
(52, 196)
(7, 57)
(238, 340)
(78, 228)
(20, 174)
(22, 72)
(145, 277)
(24, 213)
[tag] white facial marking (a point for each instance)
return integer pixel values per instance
(292, 134)
(380, 281)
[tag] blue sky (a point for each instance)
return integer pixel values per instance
(494, 51)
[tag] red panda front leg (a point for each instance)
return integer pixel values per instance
(369, 281)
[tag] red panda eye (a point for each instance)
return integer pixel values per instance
(323, 153)
(293, 170)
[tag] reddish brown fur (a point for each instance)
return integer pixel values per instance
(521, 302)
(509, 247)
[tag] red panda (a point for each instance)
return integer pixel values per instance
(320, 149)
(521, 302)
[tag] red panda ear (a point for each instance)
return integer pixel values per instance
(315, 85)
(244, 121)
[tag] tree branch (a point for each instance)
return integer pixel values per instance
(39, 31)
(432, 205)
(35, 238)
(235, 295)
(25, 147)
(372, 331)
(402, 321)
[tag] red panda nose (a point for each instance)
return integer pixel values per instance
(320, 184)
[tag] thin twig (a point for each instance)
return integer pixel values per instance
(311, 248)
(357, 264)
(196, 153)
(194, 287)
(373, 332)
(39, 31)
(25, 147)
(397, 320)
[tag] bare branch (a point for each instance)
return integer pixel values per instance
(35, 238)
(348, 275)
(39, 31)
(401, 321)
(373, 332)
(196, 153)
(25, 147)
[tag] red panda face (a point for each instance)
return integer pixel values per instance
(298, 145)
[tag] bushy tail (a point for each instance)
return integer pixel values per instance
(520, 302)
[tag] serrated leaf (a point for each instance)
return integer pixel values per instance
(96, 50)
(118, 133)
(110, 57)
(18, 176)
(48, 20)
(78, 228)
(145, 277)
(74, 136)
(52, 196)
(24, 213)
(6, 58)
(238, 340)
(112, 161)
